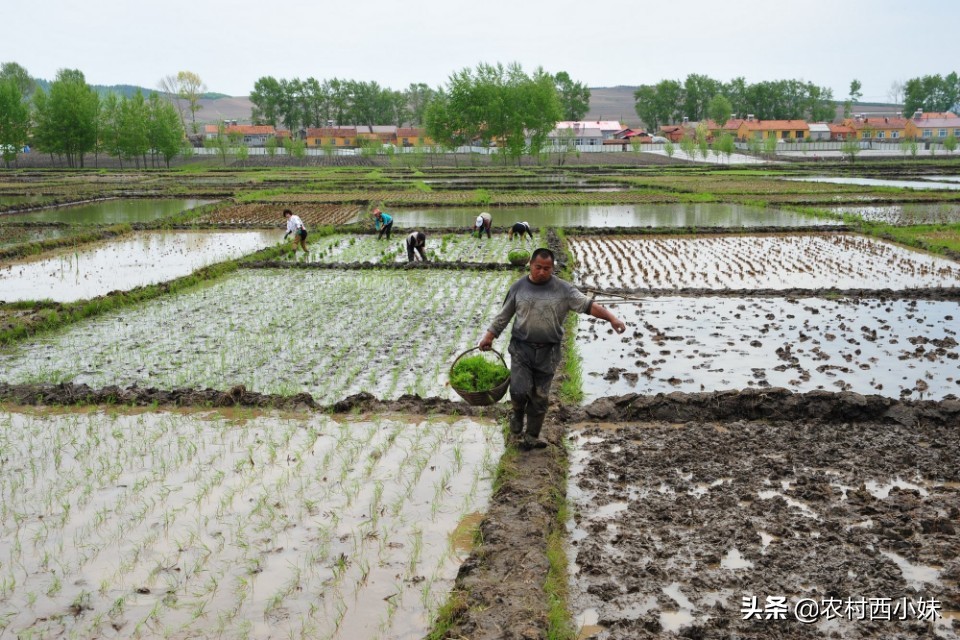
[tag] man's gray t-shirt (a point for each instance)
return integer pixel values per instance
(540, 309)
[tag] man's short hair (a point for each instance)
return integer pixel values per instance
(287, 212)
(543, 252)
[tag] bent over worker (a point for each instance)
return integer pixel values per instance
(483, 223)
(417, 241)
(540, 302)
(298, 229)
(383, 222)
(520, 228)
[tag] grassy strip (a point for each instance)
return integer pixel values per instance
(571, 384)
(57, 316)
(34, 248)
(942, 239)
(560, 624)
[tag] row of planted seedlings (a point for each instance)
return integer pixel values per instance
(729, 261)
(165, 524)
(327, 332)
(901, 347)
(209, 533)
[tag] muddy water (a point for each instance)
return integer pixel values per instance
(259, 525)
(906, 214)
(895, 348)
(680, 560)
(112, 211)
(877, 182)
(145, 257)
(842, 261)
(10, 236)
(647, 215)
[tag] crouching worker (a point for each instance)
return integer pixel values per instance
(520, 228)
(539, 302)
(417, 242)
(296, 227)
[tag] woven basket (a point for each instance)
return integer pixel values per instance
(482, 398)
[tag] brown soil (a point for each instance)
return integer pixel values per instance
(794, 504)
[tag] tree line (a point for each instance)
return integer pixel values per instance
(294, 103)
(699, 97)
(70, 119)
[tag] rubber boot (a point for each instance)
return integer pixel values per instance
(516, 423)
(534, 424)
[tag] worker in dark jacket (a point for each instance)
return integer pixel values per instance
(539, 303)
(417, 242)
(520, 228)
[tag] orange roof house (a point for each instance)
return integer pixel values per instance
(779, 129)
(331, 136)
(882, 128)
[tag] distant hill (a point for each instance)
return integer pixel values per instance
(126, 90)
(613, 103)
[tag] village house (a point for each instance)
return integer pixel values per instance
(841, 132)
(412, 137)
(607, 128)
(564, 137)
(819, 132)
(331, 137)
(881, 129)
(935, 126)
(751, 128)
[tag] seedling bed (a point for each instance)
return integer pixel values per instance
(191, 524)
(328, 333)
(833, 260)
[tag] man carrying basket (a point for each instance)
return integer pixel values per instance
(540, 301)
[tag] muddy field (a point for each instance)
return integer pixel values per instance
(678, 523)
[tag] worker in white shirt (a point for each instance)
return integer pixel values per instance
(296, 227)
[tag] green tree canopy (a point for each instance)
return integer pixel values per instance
(13, 71)
(66, 118)
(669, 100)
(574, 97)
(931, 93)
(497, 103)
(14, 119)
(719, 109)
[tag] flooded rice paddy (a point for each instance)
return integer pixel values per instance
(880, 182)
(894, 348)
(675, 528)
(328, 333)
(185, 524)
(646, 215)
(906, 214)
(746, 262)
(112, 211)
(447, 247)
(145, 257)
(13, 235)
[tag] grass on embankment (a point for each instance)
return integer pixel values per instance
(34, 248)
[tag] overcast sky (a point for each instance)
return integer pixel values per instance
(618, 42)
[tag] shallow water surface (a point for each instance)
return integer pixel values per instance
(895, 348)
(879, 182)
(639, 215)
(144, 257)
(269, 525)
(112, 211)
